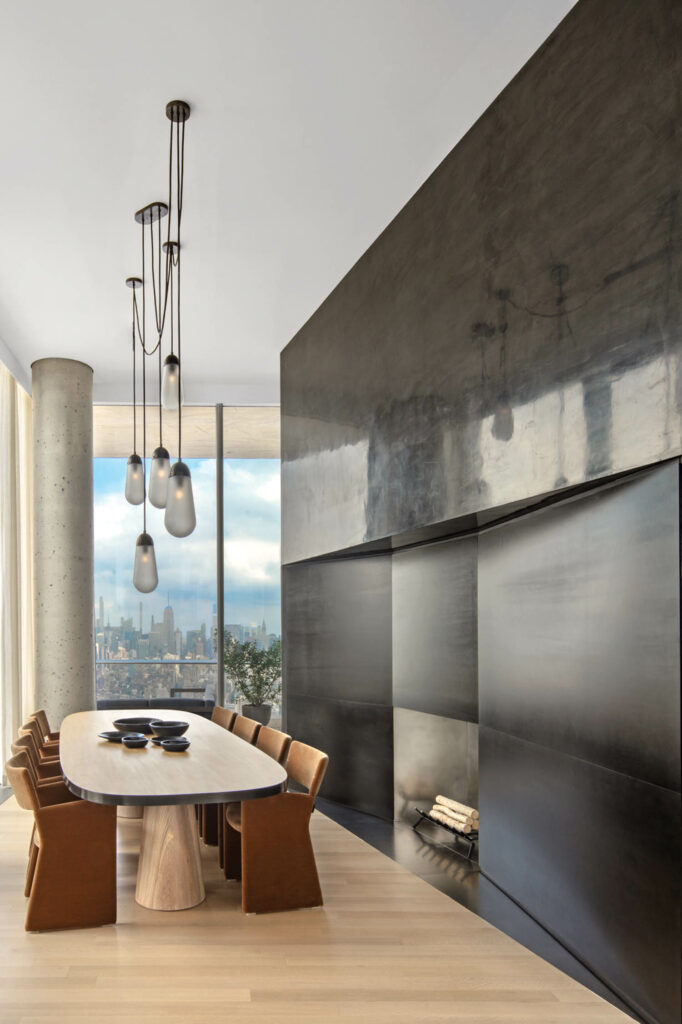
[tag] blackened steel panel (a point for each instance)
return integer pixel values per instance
(358, 737)
(434, 629)
(337, 629)
(579, 642)
(515, 329)
(594, 856)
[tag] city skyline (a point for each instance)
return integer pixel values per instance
(187, 567)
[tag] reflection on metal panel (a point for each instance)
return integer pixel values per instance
(579, 610)
(433, 755)
(592, 854)
(434, 629)
(515, 330)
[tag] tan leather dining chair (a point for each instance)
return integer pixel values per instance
(42, 720)
(246, 728)
(210, 815)
(73, 840)
(47, 748)
(224, 717)
(274, 743)
(72, 881)
(275, 856)
(46, 769)
(49, 791)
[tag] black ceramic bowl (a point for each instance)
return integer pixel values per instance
(165, 729)
(175, 744)
(113, 735)
(134, 739)
(133, 725)
(157, 740)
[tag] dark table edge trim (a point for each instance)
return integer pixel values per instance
(173, 799)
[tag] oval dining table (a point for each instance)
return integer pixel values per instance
(217, 767)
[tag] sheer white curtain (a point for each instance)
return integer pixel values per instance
(16, 559)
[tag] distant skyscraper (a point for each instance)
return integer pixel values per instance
(168, 628)
(101, 612)
(140, 616)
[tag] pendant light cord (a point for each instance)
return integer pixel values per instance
(180, 164)
(134, 380)
(144, 438)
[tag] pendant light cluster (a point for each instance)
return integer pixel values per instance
(169, 488)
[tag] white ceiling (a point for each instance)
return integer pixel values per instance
(313, 122)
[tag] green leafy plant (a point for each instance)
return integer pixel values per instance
(255, 674)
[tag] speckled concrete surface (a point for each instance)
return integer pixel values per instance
(63, 548)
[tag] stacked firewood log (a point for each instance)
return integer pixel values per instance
(454, 814)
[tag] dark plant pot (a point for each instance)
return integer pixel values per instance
(259, 712)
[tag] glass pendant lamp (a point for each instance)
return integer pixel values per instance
(134, 481)
(172, 392)
(145, 576)
(158, 477)
(180, 518)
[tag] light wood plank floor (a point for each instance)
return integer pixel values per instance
(386, 948)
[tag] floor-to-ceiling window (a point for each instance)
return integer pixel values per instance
(167, 643)
(161, 644)
(252, 554)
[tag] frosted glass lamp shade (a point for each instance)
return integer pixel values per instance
(145, 576)
(158, 477)
(170, 399)
(135, 480)
(180, 518)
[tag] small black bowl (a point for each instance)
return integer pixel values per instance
(133, 725)
(134, 740)
(164, 729)
(157, 740)
(175, 744)
(113, 735)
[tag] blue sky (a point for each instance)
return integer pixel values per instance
(187, 566)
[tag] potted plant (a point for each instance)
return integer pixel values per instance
(256, 674)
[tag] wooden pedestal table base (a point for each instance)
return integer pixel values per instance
(169, 875)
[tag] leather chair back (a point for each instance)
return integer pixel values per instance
(246, 728)
(273, 743)
(19, 776)
(223, 717)
(41, 718)
(306, 766)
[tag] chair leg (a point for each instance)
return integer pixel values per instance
(221, 837)
(210, 824)
(232, 852)
(31, 869)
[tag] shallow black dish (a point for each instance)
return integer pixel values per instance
(175, 744)
(164, 729)
(157, 740)
(113, 735)
(134, 740)
(133, 725)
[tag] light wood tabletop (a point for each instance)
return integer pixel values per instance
(218, 767)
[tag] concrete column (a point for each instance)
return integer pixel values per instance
(63, 537)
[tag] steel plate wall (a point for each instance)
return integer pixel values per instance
(515, 329)
(337, 672)
(434, 629)
(579, 687)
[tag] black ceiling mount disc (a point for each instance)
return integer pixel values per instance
(151, 212)
(177, 110)
(134, 282)
(170, 247)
